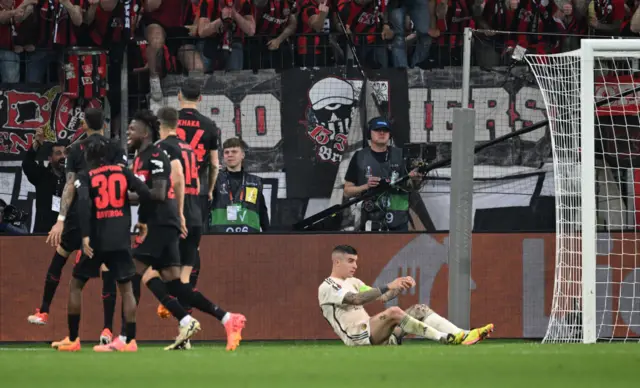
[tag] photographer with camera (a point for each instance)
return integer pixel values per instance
(380, 165)
(12, 220)
(49, 181)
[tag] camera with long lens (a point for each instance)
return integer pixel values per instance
(12, 215)
(418, 155)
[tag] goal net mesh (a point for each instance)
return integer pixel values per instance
(617, 179)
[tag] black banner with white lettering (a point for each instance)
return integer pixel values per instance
(320, 108)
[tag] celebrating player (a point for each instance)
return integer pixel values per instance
(104, 216)
(341, 297)
(65, 234)
(160, 233)
(202, 135)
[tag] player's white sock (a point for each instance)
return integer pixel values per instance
(123, 338)
(441, 324)
(185, 321)
(413, 326)
(225, 319)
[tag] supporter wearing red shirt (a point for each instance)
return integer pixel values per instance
(368, 28)
(225, 24)
(606, 16)
(526, 18)
(167, 22)
(452, 17)
(276, 21)
(12, 14)
(313, 32)
(570, 24)
(112, 24)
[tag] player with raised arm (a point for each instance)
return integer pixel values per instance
(65, 233)
(342, 296)
(201, 134)
(104, 216)
(159, 225)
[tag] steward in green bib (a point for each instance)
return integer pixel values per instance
(368, 166)
(238, 201)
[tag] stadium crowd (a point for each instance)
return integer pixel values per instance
(205, 35)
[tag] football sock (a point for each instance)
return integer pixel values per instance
(108, 298)
(160, 290)
(183, 291)
(195, 272)
(131, 331)
(52, 280)
(441, 324)
(135, 284)
(74, 326)
(413, 326)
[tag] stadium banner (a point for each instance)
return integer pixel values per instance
(295, 124)
(23, 109)
(512, 284)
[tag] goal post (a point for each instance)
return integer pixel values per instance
(586, 136)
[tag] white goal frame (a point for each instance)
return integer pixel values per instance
(589, 50)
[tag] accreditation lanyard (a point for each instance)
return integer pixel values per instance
(231, 196)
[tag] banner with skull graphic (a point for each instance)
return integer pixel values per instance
(323, 122)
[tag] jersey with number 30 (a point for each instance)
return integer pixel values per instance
(349, 322)
(103, 205)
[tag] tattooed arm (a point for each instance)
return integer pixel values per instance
(389, 295)
(68, 194)
(363, 297)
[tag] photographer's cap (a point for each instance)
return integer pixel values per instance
(379, 123)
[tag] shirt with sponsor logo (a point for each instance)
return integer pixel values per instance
(179, 150)
(349, 322)
(201, 133)
(151, 165)
(104, 208)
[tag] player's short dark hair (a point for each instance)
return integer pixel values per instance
(234, 142)
(346, 249)
(94, 118)
(191, 89)
(150, 120)
(168, 116)
(96, 152)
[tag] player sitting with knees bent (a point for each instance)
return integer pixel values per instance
(342, 296)
(104, 216)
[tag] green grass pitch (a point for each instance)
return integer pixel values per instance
(327, 364)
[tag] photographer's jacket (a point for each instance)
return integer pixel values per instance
(238, 204)
(48, 185)
(391, 208)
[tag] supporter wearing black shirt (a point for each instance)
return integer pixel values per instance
(48, 181)
(160, 232)
(104, 216)
(65, 234)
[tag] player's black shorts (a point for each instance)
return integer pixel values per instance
(71, 239)
(119, 263)
(189, 246)
(160, 248)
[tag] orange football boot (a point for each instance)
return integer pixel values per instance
(38, 318)
(64, 342)
(163, 312)
(234, 327)
(71, 346)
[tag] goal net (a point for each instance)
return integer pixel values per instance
(591, 101)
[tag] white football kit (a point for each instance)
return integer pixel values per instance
(350, 323)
